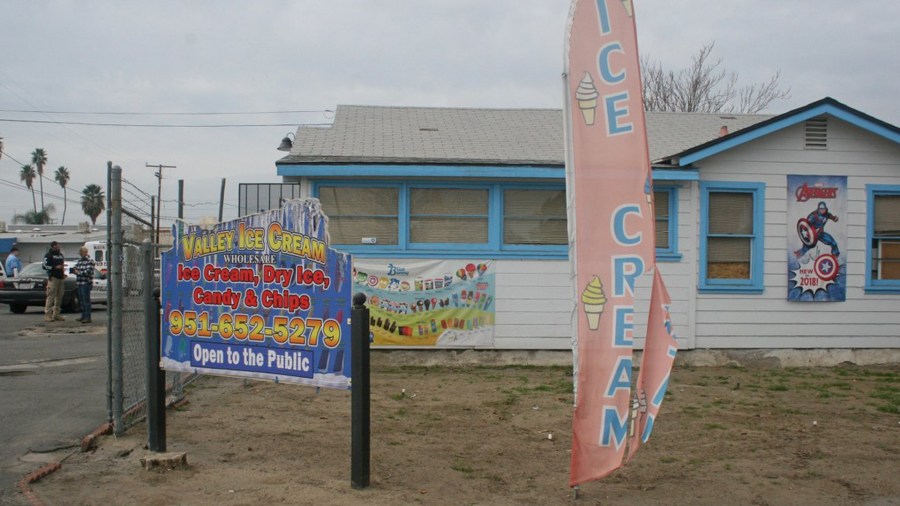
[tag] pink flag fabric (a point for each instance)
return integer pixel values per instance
(611, 227)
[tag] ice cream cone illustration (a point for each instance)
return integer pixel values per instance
(628, 8)
(593, 299)
(586, 95)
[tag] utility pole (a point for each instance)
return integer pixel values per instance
(158, 174)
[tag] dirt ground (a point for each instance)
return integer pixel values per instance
(482, 435)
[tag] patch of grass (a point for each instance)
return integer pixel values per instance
(714, 426)
(668, 460)
(467, 471)
(891, 395)
(778, 387)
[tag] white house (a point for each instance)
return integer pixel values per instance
(410, 185)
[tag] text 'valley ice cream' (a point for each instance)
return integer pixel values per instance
(586, 95)
(593, 299)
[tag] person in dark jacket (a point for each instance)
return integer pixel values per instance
(84, 271)
(54, 264)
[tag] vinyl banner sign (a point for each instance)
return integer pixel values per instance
(817, 238)
(609, 187)
(443, 303)
(263, 296)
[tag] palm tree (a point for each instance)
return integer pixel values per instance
(39, 159)
(92, 201)
(27, 176)
(62, 177)
(35, 217)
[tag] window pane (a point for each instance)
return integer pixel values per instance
(352, 229)
(728, 258)
(889, 260)
(442, 229)
(661, 213)
(534, 217)
(355, 213)
(353, 201)
(448, 201)
(887, 215)
(730, 213)
(662, 234)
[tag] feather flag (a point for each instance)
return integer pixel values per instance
(611, 236)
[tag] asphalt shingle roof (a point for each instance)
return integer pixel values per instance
(427, 135)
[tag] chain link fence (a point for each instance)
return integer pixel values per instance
(129, 227)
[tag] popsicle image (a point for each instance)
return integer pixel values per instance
(586, 95)
(593, 299)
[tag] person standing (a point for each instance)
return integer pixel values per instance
(13, 263)
(54, 264)
(84, 272)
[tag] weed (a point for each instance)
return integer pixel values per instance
(778, 387)
(714, 426)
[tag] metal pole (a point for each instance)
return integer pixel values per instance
(181, 201)
(115, 297)
(153, 223)
(109, 389)
(156, 378)
(221, 199)
(361, 388)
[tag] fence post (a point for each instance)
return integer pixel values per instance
(360, 390)
(156, 378)
(115, 298)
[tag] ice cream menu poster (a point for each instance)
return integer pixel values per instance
(442, 303)
(263, 296)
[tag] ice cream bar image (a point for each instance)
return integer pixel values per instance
(427, 304)
(387, 324)
(433, 326)
(463, 296)
(469, 298)
(372, 321)
(393, 327)
(593, 299)
(455, 300)
(443, 324)
(477, 296)
(586, 96)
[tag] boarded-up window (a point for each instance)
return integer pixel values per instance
(536, 217)
(358, 215)
(730, 235)
(448, 215)
(886, 237)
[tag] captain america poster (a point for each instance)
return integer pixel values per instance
(817, 238)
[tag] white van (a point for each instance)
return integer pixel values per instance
(99, 254)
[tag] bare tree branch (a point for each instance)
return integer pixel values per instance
(704, 87)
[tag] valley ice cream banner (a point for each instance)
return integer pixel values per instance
(817, 238)
(443, 303)
(263, 296)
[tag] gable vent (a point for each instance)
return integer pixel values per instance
(816, 134)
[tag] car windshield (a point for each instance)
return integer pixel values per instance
(35, 270)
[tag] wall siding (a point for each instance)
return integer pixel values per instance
(768, 320)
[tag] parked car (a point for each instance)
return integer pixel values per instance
(30, 289)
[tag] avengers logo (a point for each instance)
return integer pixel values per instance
(806, 192)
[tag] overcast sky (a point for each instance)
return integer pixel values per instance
(310, 55)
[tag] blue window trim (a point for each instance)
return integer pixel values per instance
(670, 254)
(877, 285)
(757, 239)
(493, 248)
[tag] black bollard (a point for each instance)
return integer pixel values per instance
(360, 390)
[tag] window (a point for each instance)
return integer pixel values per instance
(448, 215)
(361, 215)
(534, 217)
(883, 233)
(422, 219)
(665, 209)
(731, 236)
